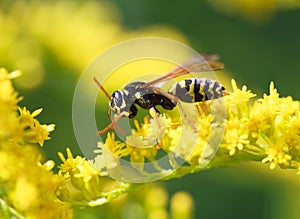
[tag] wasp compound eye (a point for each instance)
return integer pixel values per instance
(116, 99)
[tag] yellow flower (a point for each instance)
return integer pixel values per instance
(270, 105)
(140, 148)
(269, 112)
(31, 190)
(8, 105)
(293, 106)
(28, 186)
(291, 130)
(238, 126)
(277, 156)
(293, 122)
(159, 126)
(147, 139)
(70, 164)
(109, 154)
(25, 194)
(138, 155)
(206, 123)
(186, 144)
(236, 135)
(237, 101)
(86, 171)
(239, 95)
(142, 136)
(106, 160)
(143, 130)
(7, 171)
(33, 131)
(257, 122)
(48, 165)
(8, 97)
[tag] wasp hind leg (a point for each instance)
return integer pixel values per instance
(175, 101)
(155, 115)
(181, 109)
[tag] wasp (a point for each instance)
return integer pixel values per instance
(124, 102)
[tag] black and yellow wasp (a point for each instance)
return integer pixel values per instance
(144, 94)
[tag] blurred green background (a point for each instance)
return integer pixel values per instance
(52, 42)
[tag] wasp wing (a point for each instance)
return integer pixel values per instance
(201, 63)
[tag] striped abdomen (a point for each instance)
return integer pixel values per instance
(197, 90)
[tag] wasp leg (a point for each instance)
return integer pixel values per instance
(225, 93)
(107, 128)
(186, 117)
(155, 115)
(175, 100)
(113, 124)
(133, 111)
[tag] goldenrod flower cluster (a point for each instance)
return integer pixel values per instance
(28, 187)
(269, 127)
(266, 129)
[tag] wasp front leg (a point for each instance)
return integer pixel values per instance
(113, 123)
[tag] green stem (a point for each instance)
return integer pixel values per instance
(107, 197)
(9, 211)
(220, 160)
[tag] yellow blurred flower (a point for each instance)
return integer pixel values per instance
(73, 32)
(27, 185)
(182, 205)
(25, 194)
(254, 10)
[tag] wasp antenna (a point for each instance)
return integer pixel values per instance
(102, 88)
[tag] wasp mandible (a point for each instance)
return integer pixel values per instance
(144, 94)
